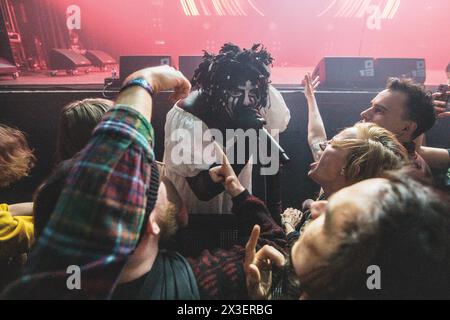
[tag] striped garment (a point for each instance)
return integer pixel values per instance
(109, 194)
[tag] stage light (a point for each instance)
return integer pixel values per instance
(359, 8)
(220, 7)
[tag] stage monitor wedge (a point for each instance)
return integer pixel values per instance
(188, 64)
(100, 59)
(414, 69)
(130, 64)
(7, 68)
(346, 72)
(66, 59)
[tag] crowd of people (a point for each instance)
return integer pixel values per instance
(108, 211)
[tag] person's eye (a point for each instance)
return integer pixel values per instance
(236, 93)
(378, 110)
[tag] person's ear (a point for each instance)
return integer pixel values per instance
(153, 227)
(353, 171)
(409, 128)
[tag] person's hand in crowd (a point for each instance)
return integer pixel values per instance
(440, 105)
(164, 78)
(225, 174)
(310, 85)
(317, 208)
(258, 266)
(441, 111)
(306, 205)
(290, 218)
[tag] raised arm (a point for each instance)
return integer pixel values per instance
(108, 193)
(160, 78)
(316, 129)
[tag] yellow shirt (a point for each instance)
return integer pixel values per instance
(16, 233)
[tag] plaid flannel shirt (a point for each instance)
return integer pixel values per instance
(96, 225)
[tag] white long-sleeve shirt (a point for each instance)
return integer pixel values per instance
(191, 140)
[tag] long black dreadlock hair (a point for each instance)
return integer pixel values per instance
(229, 68)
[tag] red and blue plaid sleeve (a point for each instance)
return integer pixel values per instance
(97, 221)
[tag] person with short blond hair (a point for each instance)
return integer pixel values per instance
(357, 153)
(373, 151)
(76, 123)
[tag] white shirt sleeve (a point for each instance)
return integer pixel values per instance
(184, 145)
(278, 115)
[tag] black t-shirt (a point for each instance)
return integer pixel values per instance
(171, 278)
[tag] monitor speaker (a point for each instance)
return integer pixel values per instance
(100, 59)
(346, 72)
(130, 64)
(7, 68)
(414, 69)
(66, 59)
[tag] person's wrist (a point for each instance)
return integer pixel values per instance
(234, 191)
(289, 224)
(139, 82)
(152, 80)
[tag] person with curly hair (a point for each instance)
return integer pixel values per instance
(16, 221)
(16, 158)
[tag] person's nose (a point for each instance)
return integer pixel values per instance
(366, 115)
(247, 101)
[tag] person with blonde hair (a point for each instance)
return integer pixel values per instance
(355, 154)
(358, 153)
(76, 123)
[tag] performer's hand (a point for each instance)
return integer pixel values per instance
(248, 118)
(225, 174)
(310, 85)
(258, 266)
(165, 78)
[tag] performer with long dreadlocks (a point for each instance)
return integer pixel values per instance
(233, 92)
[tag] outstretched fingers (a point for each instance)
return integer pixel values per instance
(250, 248)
